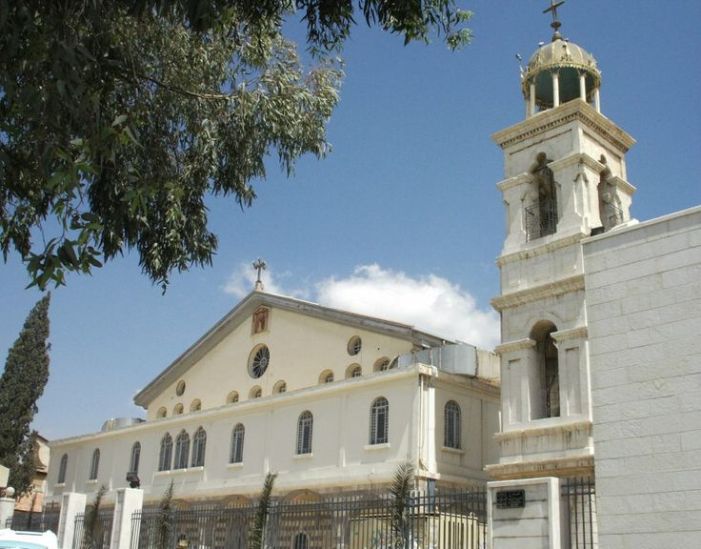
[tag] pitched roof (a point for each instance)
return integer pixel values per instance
(245, 309)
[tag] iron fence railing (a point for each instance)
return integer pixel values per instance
(579, 494)
(36, 522)
(354, 521)
(540, 219)
(93, 536)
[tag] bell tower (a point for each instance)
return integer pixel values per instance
(565, 180)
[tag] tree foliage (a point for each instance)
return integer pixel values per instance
(119, 118)
(21, 384)
(400, 491)
(165, 518)
(257, 537)
(94, 529)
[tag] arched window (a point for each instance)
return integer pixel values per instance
(62, 469)
(326, 377)
(135, 456)
(548, 371)
(196, 405)
(255, 392)
(354, 370)
(382, 364)
(232, 397)
(182, 450)
(178, 409)
(162, 412)
(199, 445)
(280, 387)
(165, 456)
(301, 541)
(305, 426)
(237, 437)
(452, 425)
(94, 464)
(379, 421)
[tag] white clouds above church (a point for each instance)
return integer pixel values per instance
(428, 302)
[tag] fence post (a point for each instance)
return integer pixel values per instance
(128, 501)
(7, 511)
(72, 504)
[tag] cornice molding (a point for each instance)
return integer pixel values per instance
(580, 332)
(514, 181)
(540, 249)
(529, 295)
(544, 430)
(514, 346)
(576, 110)
(623, 185)
(579, 466)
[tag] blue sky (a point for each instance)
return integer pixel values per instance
(403, 215)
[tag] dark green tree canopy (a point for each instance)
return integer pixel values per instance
(118, 118)
(21, 384)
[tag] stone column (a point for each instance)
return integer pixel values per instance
(556, 89)
(531, 98)
(7, 511)
(597, 100)
(524, 513)
(72, 504)
(583, 87)
(127, 502)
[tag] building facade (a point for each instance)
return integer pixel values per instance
(330, 401)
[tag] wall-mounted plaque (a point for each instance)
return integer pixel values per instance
(511, 499)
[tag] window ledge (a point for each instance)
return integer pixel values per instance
(381, 446)
(91, 481)
(303, 456)
(60, 485)
(449, 450)
(180, 471)
(237, 465)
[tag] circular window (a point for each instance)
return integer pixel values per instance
(180, 388)
(355, 344)
(259, 360)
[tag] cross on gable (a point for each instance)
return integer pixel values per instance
(259, 265)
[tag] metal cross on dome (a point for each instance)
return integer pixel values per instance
(554, 4)
(259, 265)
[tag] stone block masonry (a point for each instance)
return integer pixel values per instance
(643, 304)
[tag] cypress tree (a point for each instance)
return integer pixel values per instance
(21, 385)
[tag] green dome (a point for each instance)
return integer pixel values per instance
(567, 59)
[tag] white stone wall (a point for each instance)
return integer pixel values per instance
(301, 348)
(644, 317)
(341, 455)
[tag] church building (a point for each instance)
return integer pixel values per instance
(331, 401)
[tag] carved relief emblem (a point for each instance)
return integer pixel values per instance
(260, 320)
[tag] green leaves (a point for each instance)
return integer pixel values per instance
(118, 119)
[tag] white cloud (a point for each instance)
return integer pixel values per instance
(430, 303)
(243, 280)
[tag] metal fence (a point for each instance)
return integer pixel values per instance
(540, 219)
(354, 521)
(579, 495)
(95, 536)
(29, 521)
